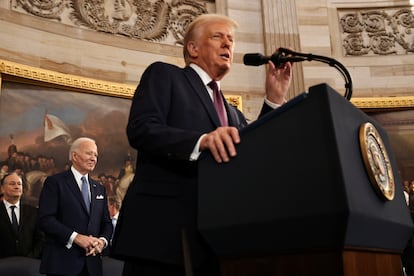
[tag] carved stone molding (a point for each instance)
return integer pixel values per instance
(370, 32)
(162, 21)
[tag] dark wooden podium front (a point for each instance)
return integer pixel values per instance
(299, 185)
(340, 263)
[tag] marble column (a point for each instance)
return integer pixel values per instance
(280, 28)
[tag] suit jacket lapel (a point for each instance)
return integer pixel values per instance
(202, 92)
(73, 186)
(22, 216)
(94, 193)
(231, 115)
(5, 215)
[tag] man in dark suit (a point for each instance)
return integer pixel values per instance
(25, 238)
(172, 120)
(77, 224)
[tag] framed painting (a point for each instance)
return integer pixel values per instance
(42, 112)
(396, 115)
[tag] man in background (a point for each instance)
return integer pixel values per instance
(73, 212)
(114, 205)
(20, 234)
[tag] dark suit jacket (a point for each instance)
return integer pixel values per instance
(62, 211)
(171, 109)
(28, 240)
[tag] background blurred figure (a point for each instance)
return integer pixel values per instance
(104, 182)
(114, 205)
(407, 256)
(125, 178)
(23, 237)
(406, 190)
(4, 170)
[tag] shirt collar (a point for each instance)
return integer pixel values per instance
(203, 74)
(116, 216)
(77, 174)
(8, 204)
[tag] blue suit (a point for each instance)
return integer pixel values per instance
(62, 211)
(171, 109)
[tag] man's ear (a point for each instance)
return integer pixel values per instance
(192, 49)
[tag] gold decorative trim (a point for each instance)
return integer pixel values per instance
(235, 100)
(11, 70)
(372, 103)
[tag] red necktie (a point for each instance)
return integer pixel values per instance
(218, 103)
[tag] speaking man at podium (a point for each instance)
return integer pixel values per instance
(175, 115)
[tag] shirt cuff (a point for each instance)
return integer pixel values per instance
(196, 151)
(105, 241)
(71, 239)
(272, 104)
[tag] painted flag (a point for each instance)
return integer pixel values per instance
(55, 127)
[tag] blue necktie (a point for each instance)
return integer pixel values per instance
(85, 193)
(15, 224)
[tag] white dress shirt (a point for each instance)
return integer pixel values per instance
(16, 210)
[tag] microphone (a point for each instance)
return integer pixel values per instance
(283, 55)
(278, 58)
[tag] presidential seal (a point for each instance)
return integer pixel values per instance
(376, 160)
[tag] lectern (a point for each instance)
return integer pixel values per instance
(300, 199)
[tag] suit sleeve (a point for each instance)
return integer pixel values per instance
(49, 211)
(158, 114)
(38, 238)
(265, 109)
(106, 228)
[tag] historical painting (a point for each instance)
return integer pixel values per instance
(39, 123)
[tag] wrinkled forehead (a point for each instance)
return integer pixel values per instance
(13, 178)
(88, 146)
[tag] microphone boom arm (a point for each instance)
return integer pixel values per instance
(295, 56)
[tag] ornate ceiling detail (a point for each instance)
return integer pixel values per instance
(149, 20)
(377, 31)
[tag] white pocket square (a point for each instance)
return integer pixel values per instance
(99, 197)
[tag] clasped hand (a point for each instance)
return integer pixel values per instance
(92, 245)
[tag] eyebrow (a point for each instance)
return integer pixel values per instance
(12, 182)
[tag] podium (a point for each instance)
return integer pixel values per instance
(298, 200)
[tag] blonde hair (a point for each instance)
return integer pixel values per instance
(195, 28)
